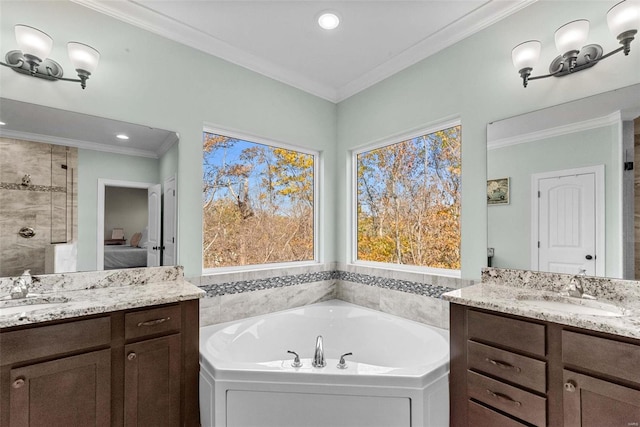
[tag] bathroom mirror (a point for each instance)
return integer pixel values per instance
(76, 197)
(569, 202)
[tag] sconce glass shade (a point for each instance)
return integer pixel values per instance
(83, 57)
(572, 36)
(623, 17)
(33, 42)
(526, 54)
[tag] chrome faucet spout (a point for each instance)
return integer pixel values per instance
(318, 357)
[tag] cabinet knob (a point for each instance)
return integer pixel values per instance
(570, 386)
(19, 382)
(131, 356)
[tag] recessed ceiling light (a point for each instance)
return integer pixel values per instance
(2, 123)
(328, 20)
(122, 136)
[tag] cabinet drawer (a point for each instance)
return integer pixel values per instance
(482, 416)
(522, 370)
(44, 341)
(162, 320)
(503, 331)
(512, 400)
(602, 355)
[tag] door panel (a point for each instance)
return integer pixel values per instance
(567, 228)
(153, 248)
(169, 256)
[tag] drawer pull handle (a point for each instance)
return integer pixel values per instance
(19, 382)
(570, 386)
(154, 322)
(503, 398)
(503, 365)
(131, 356)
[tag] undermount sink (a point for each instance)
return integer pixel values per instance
(26, 308)
(576, 306)
(30, 303)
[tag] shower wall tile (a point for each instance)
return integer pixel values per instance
(48, 204)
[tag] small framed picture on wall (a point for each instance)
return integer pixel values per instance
(498, 191)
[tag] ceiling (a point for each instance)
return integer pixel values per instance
(281, 39)
(61, 127)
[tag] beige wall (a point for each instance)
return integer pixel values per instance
(48, 204)
(125, 208)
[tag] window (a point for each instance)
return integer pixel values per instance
(257, 203)
(408, 201)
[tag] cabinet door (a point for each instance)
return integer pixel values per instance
(590, 402)
(72, 391)
(152, 382)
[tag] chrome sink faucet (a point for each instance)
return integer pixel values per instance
(575, 287)
(21, 285)
(318, 357)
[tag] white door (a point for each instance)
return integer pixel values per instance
(567, 232)
(169, 205)
(153, 248)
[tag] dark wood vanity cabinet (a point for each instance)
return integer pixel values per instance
(128, 368)
(511, 371)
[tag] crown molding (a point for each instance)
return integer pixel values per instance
(585, 125)
(166, 145)
(471, 23)
(48, 139)
(165, 26)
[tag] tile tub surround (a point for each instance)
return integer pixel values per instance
(511, 291)
(101, 292)
(415, 296)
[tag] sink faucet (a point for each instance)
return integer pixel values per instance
(575, 287)
(21, 285)
(318, 358)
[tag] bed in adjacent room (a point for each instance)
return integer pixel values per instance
(121, 256)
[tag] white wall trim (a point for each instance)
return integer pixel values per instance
(318, 193)
(600, 207)
(102, 183)
(585, 125)
(352, 221)
(482, 17)
(48, 139)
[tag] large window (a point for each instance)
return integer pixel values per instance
(257, 203)
(408, 201)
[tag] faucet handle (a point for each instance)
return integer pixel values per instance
(296, 360)
(342, 364)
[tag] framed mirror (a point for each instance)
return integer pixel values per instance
(80, 193)
(571, 170)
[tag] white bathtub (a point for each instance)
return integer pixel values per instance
(397, 376)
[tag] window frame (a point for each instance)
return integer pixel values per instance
(318, 193)
(353, 199)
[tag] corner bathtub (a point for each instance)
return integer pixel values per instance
(397, 376)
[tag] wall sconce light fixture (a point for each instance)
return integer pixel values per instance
(35, 47)
(623, 20)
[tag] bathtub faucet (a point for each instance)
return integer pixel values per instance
(318, 358)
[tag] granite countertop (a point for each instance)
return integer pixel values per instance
(80, 294)
(521, 295)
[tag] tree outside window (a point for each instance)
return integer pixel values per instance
(258, 203)
(408, 201)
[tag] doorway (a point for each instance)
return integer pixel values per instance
(568, 221)
(137, 247)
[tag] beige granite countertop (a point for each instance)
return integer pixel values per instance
(81, 294)
(519, 295)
